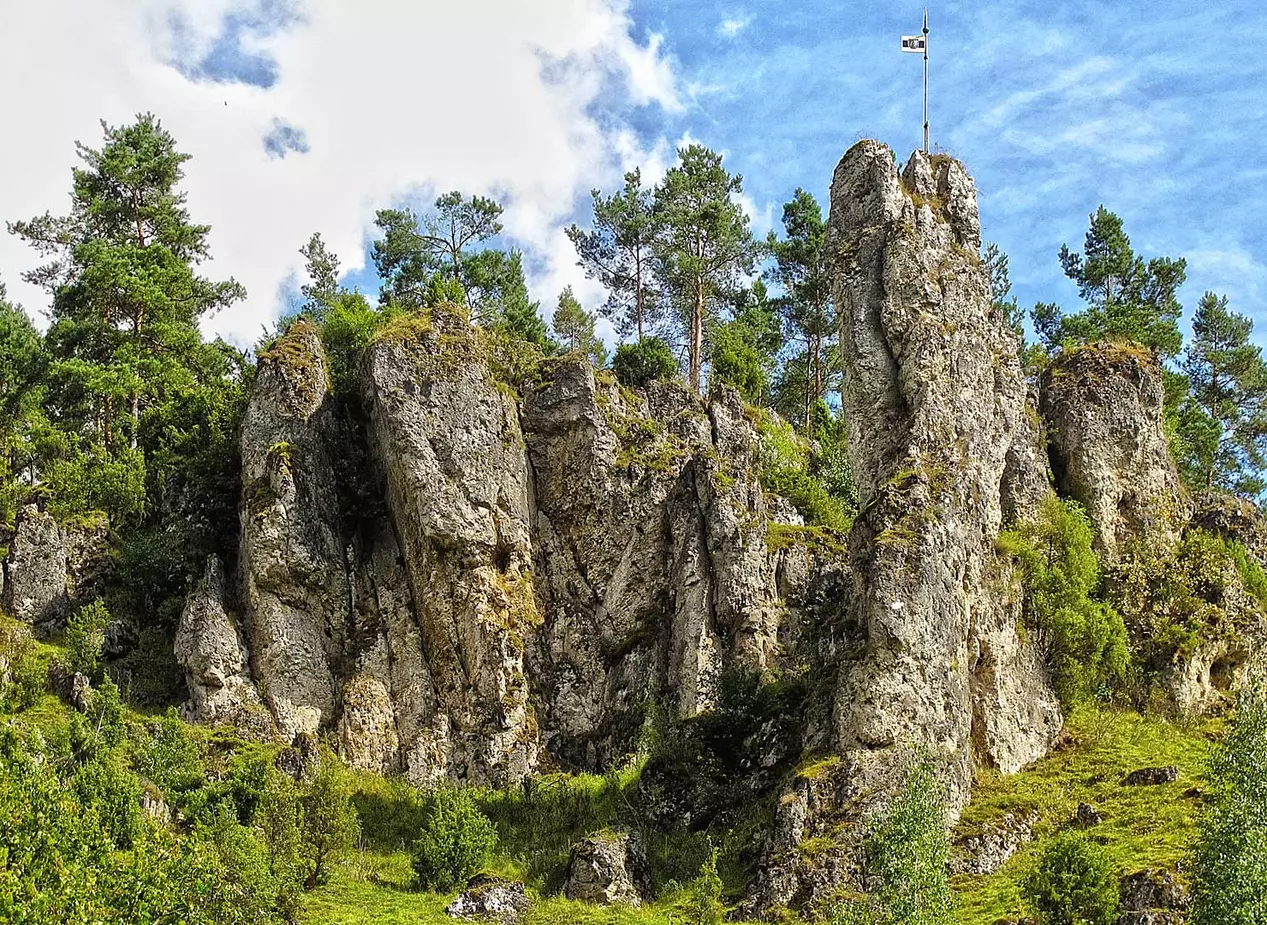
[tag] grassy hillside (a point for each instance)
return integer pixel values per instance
(371, 885)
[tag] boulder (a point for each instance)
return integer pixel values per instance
(986, 851)
(491, 899)
(610, 867)
(1152, 777)
(1087, 816)
(1153, 897)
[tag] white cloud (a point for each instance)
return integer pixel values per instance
(733, 25)
(392, 99)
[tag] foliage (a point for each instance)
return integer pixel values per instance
(22, 669)
(1127, 297)
(328, 818)
(1072, 884)
(1222, 421)
(1230, 860)
(702, 243)
(649, 360)
(1085, 638)
(705, 905)
(907, 855)
(806, 306)
(85, 637)
(618, 253)
(454, 843)
(735, 359)
(787, 470)
(574, 327)
(1001, 298)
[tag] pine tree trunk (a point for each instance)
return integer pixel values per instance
(697, 334)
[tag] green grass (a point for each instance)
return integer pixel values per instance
(1142, 827)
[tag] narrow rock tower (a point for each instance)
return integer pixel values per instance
(934, 399)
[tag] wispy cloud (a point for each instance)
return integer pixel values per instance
(731, 26)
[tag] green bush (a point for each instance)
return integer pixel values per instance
(454, 843)
(705, 906)
(24, 680)
(85, 636)
(648, 360)
(1072, 884)
(786, 469)
(734, 359)
(166, 754)
(1230, 861)
(329, 819)
(907, 855)
(1084, 638)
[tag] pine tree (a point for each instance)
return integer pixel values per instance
(702, 245)
(801, 269)
(323, 274)
(124, 336)
(1228, 381)
(574, 327)
(618, 253)
(1128, 298)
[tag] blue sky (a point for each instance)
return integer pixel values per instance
(1154, 109)
(307, 115)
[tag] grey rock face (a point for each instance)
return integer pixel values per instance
(491, 899)
(1153, 897)
(211, 651)
(1102, 405)
(36, 569)
(934, 399)
(610, 867)
(294, 576)
(449, 443)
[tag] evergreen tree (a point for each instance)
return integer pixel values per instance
(702, 243)
(27, 440)
(403, 262)
(996, 266)
(801, 269)
(323, 274)
(124, 336)
(618, 253)
(574, 327)
(1127, 297)
(744, 350)
(1225, 424)
(457, 223)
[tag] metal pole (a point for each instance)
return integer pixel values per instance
(926, 151)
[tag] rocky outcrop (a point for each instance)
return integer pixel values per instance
(1153, 897)
(1102, 406)
(934, 400)
(610, 867)
(52, 568)
(491, 899)
(294, 575)
(986, 851)
(213, 655)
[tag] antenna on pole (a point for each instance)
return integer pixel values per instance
(926, 151)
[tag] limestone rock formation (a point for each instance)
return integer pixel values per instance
(491, 899)
(35, 569)
(52, 568)
(294, 576)
(610, 867)
(934, 398)
(211, 651)
(1102, 406)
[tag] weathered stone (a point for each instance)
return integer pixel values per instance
(491, 899)
(213, 655)
(35, 571)
(294, 573)
(1087, 816)
(986, 851)
(80, 692)
(1153, 897)
(367, 726)
(610, 867)
(155, 807)
(1102, 407)
(934, 398)
(1152, 777)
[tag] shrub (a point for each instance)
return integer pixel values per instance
(329, 818)
(455, 841)
(705, 906)
(1072, 884)
(786, 462)
(23, 679)
(907, 855)
(735, 360)
(648, 360)
(1085, 639)
(85, 636)
(167, 754)
(1230, 862)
